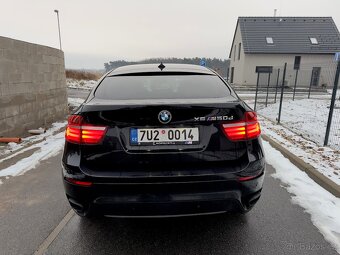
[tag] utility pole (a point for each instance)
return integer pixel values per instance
(57, 12)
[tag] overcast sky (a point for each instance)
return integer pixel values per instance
(94, 32)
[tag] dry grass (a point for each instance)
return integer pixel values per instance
(82, 74)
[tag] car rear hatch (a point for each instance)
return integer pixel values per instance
(116, 153)
(199, 105)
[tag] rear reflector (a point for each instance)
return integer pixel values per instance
(247, 129)
(80, 183)
(79, 132)
(246, 178)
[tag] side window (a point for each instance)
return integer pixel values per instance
(239, 51)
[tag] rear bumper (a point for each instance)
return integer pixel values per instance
(165, 199)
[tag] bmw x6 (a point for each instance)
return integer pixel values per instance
(162, 140)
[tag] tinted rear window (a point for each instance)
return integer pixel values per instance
(162, 87)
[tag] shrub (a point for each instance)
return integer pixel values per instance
(82, 74)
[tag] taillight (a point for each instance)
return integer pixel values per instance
(79, 132)
(249, 128)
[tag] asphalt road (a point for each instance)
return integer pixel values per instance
(33, 204)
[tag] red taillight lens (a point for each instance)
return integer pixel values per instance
(80, 183)
(78, 131)
(243, 130)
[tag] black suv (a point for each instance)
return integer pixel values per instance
(162, 140)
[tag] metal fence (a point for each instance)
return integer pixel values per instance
(302, 99)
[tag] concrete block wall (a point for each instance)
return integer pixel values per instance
(32, 86)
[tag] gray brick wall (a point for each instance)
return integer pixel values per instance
(32, 86)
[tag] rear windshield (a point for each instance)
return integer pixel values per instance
(162, 87)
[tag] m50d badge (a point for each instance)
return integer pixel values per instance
(214, 118)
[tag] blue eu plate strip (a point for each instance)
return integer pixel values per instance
(133, 136)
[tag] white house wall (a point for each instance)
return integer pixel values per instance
(234, 61)
(247, 65)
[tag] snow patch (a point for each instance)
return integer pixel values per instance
(16, 147)
(81, 84)
(307, 117)
(323, 159)
(323, 207)
(47, 148)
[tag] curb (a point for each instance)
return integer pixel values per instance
(318, 177)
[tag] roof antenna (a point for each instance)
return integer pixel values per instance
(161, 66)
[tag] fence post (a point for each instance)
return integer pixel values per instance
(296, 76)
(282, 89)
(257, 88)
(310, 85)
(277, 83)
(268, 89)
(331, 108)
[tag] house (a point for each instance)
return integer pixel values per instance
(306, 44)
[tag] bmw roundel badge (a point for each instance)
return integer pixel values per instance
(164, 117)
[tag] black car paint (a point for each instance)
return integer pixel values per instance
(163, 180)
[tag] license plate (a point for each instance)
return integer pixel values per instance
(164, 136)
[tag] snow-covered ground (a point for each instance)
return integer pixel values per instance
(81, 84)
(245, 95)
(12, 148)
(323, 207)
(306, 117)
(45, 149)
(46, 145)
(324, 159)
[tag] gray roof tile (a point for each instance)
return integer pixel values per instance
(290, 35)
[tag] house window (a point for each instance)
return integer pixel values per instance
(313, 40)
(232, 75)
(297, 62)
(234, 52)
(269, 40)
(315, 76)
(239, 51)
